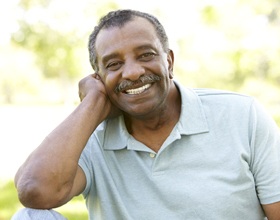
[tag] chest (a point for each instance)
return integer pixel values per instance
(189, 175)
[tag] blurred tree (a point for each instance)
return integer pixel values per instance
(57, 33)
(234, 46)
(56, 52)
(225, 45)
(57, 48)
(232, 43)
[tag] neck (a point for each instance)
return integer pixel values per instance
(152, 130)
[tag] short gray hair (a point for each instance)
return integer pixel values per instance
(119, 18)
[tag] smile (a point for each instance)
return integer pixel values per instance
(138, 90)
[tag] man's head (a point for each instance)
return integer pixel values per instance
(133, 62)
(118, 19)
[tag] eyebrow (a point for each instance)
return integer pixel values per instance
(115, 55)
(145, 46)
(108, 57)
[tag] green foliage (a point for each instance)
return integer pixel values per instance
(75, 209)
(18, 76)
(9, 204)
(8, 200)
(27, 4)
(219, 44)
(232, 44)
(209, 15)
(56, 53)
(57, 48)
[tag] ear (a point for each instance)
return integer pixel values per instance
(96, 76)
(100, 76)
(170, 60)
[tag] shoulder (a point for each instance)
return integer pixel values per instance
(216, 93)
(212, 94)
(223, 97)
(215, 101)
(224, 103)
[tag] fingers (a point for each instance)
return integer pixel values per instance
(96, 76)
(86, 83)
(81, 96)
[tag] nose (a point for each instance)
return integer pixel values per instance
(132, 70)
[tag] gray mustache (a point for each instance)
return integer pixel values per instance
(126, 84)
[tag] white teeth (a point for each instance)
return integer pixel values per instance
(138, 90)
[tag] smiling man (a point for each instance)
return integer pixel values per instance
(140, 146)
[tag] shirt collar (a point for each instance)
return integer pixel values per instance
(116, 136)
(192, 121)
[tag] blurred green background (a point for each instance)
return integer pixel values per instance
(231, 45)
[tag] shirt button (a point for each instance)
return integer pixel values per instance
(152, 155)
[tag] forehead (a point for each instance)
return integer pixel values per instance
(134, 33)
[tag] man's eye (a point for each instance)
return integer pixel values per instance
(147, 56)
(113, 65)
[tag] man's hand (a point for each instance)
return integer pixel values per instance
(51, 176)
(92, 85)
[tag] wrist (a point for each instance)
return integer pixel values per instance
(96, 108)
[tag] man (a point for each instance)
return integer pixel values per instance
(140, 146)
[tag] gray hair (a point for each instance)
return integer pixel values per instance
(119, 18)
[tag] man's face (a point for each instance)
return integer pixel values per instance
(134, 68)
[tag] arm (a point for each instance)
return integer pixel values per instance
(272, 211)
(50, 176)
(266, 161)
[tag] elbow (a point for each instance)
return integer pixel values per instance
(38, 196)
(30, 195)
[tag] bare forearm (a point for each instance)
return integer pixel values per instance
(50, 170)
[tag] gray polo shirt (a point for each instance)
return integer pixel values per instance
(220, 162)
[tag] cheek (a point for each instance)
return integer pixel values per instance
(166, 73)
(110, 82)
(166, 69)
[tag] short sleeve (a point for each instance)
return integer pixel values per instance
(265, 154)
(86, 165)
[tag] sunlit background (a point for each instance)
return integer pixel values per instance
(232, 45)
